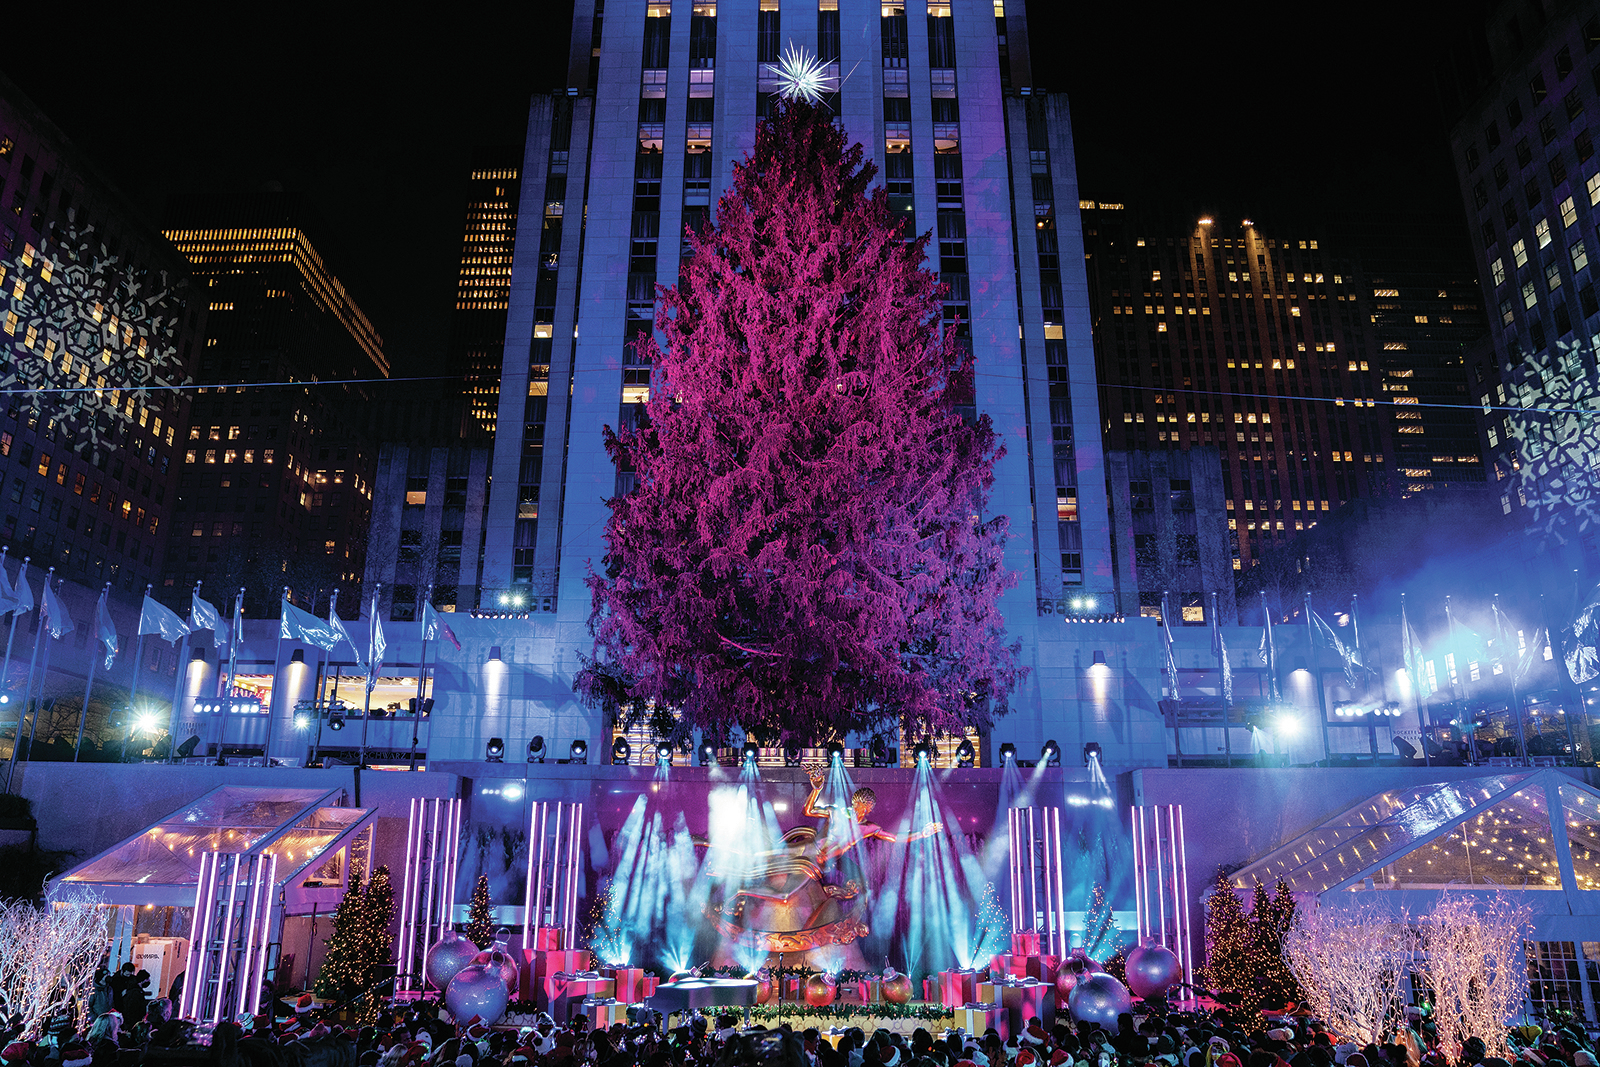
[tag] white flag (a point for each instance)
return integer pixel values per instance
(55, 614)
(105, 629)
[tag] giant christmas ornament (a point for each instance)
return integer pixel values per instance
(1098, 998)
(478, 989)
(820, 991)
(763, 990)
(447, 956)
(896, 987)
(500, 957)
(1072, 969)
(1152, 970)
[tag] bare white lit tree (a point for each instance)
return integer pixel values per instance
(48, 955)
(1350, 961)
(1474, 958)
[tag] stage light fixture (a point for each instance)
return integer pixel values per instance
(924, 750)
(835, 751)
(880, 752)
(1091, 753)
(708, 754)
(336, 719)
(495, 750)
(792, 754)
(427, 706)
(966, 753)
(752, 751)
(536, 749)
(579, 751)
(186, 749)
(621, 752)
(5, 698)
(1050, 754)
(663, 751)
(1008, 753)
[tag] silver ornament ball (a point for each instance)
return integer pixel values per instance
(1098, 998)
(1152, 971)
(447, 956)
(477, 989)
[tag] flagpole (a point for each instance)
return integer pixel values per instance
(272, 701)
(138, 650)
(1511, 676)
(16, 746)
(1316, 679)
(1172, 671)
(177, 695)
(1222, 687)
(5, 671)
(422, 671)
(1416, 683)
(94, 661)
(233, 640)
(366, 703)
(33, 725)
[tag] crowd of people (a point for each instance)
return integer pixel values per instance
(414, 1034)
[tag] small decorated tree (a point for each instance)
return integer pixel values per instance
(480, 925)
(376, 914)
(1228, 943)
(344, 967)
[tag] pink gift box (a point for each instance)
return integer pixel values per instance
(539, 965)
(1022, 999)
(1025, 943)
(957, 988)
(629, 983)
(870, 990)
(606, 1013)
(548, 938)
(1010, 964)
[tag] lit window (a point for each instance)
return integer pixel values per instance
(1519, 253)
(1593, 186)
(1541, 230)
(1420, 318)
(189, 456)
(1498, 269)
(1569, 213)
(1580, 258)
(1529, 297)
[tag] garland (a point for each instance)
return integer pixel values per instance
(925, 1012)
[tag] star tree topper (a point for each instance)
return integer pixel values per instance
(802, 76)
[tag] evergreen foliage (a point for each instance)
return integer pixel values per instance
(480, 924)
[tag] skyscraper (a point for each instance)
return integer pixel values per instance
(99, 327)
(483, 283)
(276, 484)
(1525, 157)
(663, 100)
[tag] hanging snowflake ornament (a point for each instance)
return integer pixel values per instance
(802, 76)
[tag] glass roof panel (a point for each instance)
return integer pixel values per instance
(1583, 832)
(1363, 835)
(1508, 845)
(228, 819)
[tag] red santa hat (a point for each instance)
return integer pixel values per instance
(305, 1003)
(1025, 1057)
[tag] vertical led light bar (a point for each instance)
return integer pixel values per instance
(269, 901)
(1185, 947)
(226, 940)
(241, 979)
(433, 876)
(572, 878)
(201, 929)
(528, 908)
(1063, 942)
(1160, 868)
(1016, 872)
(1136, 820)
(1033, 884)
(402, 949)
(452, 861)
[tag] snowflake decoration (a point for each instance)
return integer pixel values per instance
(802, 76)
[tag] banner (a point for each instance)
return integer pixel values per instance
(105, 629)
(156, 618)
(297, 625)
(55, 614)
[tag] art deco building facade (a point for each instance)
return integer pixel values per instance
(99, 326)
(277, 467)
(483, 284)
(1320, 381)
(1530, 181)
(663, 100)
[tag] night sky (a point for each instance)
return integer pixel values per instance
(1264, 109)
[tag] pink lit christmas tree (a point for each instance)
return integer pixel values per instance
(806, 551)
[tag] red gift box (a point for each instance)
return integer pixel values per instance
(548, 938)
(539, 965)
(793, 987)
(1044, 967)
(1025, 943)
(870, 990)
(1009, 965)
(957, 988)
(650, 983)
(629, 983)
(564, 993)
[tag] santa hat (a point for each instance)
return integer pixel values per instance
(1034, 1034)
(522, 1054)
(890, 1057)
(75, 1055)
(1025, 1057)
(1059, 1056)
(305, 1003)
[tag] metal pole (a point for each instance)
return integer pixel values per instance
(372, 676)
(94, 661)
(1416, 682)
(272, 699)
(16, 746)
(1227, 712)
(422, 674)
(1316, 680)
(5, 671)
(138, 653)
(177, 692)
(1511, 676)
(44, 676)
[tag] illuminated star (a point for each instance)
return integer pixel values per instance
(802, 75)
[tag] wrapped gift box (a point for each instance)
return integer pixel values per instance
(1010, 965)
(650, 983)
(1022, 999)
(629, 983)
(870, 990)
(1025, 943)
(794, 988)
(565, 993)
(540, 964)
(606, 1013)
(978, 1019)
(957, 988)
(548, 938)
(1044, 968)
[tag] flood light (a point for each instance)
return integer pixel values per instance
(663, 751)
(495, 750)
(1050, 754)
(536, 749)
(621, 752)
(751, 751)
(579, 751)
(924, 750)
(966, 753)
(708, 753)
(1008, 753)
(1091, 753)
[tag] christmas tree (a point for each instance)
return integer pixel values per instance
(480, 926)
(344, 967)
(805, 552)
(376, 914)
(1228, 942)
(1100, 927)
(1271, 919)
